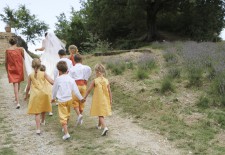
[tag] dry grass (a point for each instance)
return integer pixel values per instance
(173, 114)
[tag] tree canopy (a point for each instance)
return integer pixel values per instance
(196, 19)
(24, 22)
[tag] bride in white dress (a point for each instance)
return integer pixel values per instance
(50, 45)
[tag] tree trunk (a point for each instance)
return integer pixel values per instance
(152, 10)
(152, 34)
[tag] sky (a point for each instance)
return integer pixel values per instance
(45, 10)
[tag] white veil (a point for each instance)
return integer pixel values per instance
(50, 56)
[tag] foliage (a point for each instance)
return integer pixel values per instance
(131, 19)
(166, 85)
(116, 66)
(73, 31)
(194, 75)
(8, 16)
(203, 102)
(174, 72)
(141, 74)
(146, 62)
(24, 22)
(170, 58)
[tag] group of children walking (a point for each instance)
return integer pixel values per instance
(69, 90)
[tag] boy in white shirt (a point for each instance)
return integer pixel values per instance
(80, 73)
(63, 88)
(62, 56)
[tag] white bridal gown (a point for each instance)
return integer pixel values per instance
(50, 56)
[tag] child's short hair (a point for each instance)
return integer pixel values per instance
(62, 52)
(62, 66)
(43, 68)
(73, 48)
(36, 63)
(100, 68)
(78, 58)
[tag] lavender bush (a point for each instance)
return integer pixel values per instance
(199, 59)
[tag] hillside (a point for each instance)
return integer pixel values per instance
(168, 98)
(174, 90)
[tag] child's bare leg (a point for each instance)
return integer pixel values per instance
(99, 123)
(77, 111)
(43, 117)
(37, 119)
(105, 129)
(79, 118)
(102, 121)
(65, 128)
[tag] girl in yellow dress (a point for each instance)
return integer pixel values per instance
(102, 97)
(40, 93)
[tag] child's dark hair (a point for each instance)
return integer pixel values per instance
(13, 41)
(43, 68)
(46, 33)
(62, 52)
(77, 58)
(62, 66)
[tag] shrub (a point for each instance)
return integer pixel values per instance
(170, 58)
(147, 64)
(218, 117)
(219, 85)
(141, 74)
(194, 75)
(218, 89)
(102, 46)
(130, 65)
(166, 85)
(174, 73)
(203, 102)
(116, 68)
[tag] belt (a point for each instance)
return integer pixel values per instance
(81, 82)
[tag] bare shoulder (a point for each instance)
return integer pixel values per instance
(20, 48)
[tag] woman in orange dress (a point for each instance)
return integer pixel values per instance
(14, 66)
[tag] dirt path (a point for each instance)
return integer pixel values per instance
(125, 133)
(22, 126)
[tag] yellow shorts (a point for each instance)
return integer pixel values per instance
(76, 101)
(64, 111)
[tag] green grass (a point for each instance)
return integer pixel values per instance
(7, 151)
(155, 115)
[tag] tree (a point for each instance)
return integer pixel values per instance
(73, 31)
(24, 22)
(113, 19)
(8, 16)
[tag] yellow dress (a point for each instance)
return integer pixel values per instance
(100, 100)
(40, 94)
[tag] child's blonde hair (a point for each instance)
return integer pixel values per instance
(36, 64)
(99, 68)
(74, 49)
